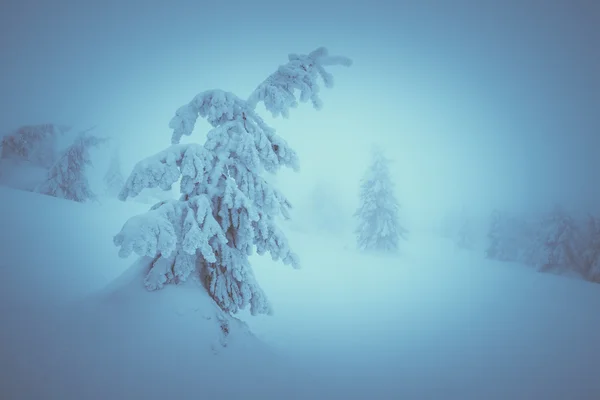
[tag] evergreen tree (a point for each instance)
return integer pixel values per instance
(36, 144)
(67, 177)
(226, 207)
(556, 242)
(113, 180)
(378, 228)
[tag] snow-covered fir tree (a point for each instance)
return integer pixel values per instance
(555, 244)
(113, 179)
(67, 178)
(379, 228)
(36, 144)
(226, 208)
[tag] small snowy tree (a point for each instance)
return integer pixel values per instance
(36, 144)
(67, 177)
(555, 244)
(379, 228)
(113, 179)
(226, 208)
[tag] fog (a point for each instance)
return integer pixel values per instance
(480, 105)
(494, 104)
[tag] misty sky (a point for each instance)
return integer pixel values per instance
(479, 103)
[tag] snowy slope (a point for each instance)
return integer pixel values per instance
(434, 322)
(75, 326)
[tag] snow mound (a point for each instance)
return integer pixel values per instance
(78, 323)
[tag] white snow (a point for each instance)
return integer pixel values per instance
(434, 322)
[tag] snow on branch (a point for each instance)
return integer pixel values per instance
(188, 161)
(301, 73)
(217, 106)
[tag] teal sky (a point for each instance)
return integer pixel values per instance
(480, 103)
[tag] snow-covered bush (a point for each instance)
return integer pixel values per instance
(67, 178)
(379, 227)
(226, 208)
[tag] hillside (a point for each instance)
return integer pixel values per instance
(434, 322)
(75, 325)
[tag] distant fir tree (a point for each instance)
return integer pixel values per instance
(36, 144)
(67, 178)
(379, 228)
(113, 179)
(556, 242)
(226, 208)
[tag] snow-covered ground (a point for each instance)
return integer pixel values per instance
(434, 322)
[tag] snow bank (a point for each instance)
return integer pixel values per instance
(75, 326)
(433, 322)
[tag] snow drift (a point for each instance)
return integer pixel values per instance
(434, 322)
(75, 326)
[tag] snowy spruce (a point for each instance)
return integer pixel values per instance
(34, 144)
(227, 208)
(379, 227)
(67, 178)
